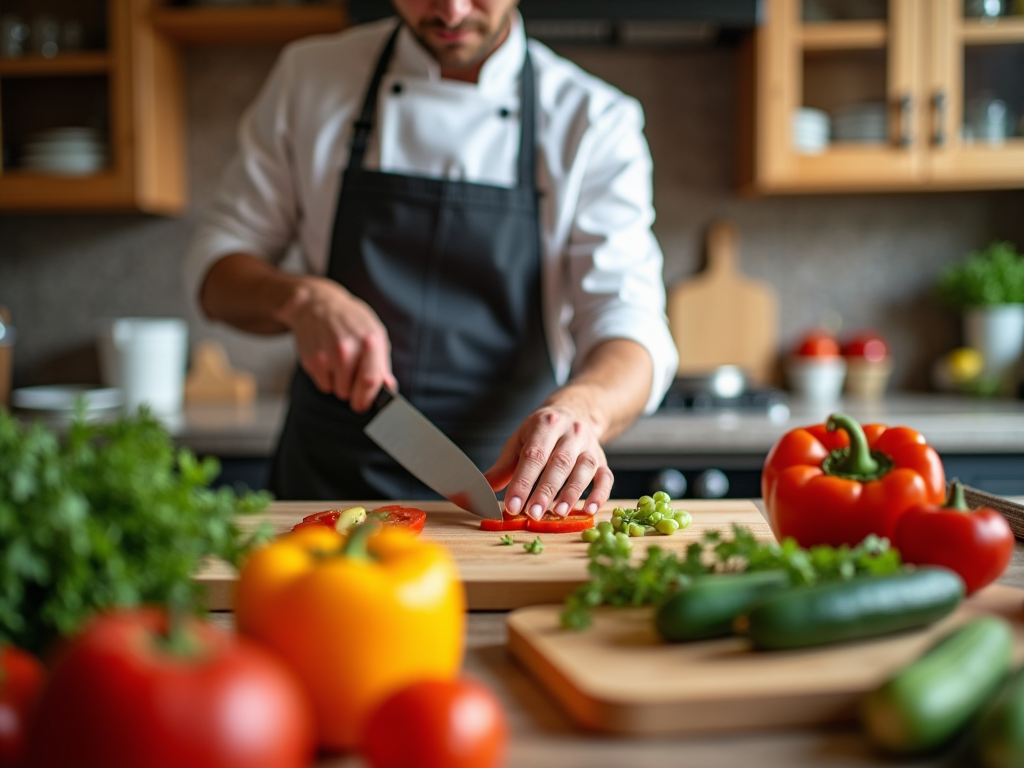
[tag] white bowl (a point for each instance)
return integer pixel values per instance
(817, 379)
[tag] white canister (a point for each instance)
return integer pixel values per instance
(146, 357)
(998, 333)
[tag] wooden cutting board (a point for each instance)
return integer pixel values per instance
(618, 676)
(499, 577)
(721, 317)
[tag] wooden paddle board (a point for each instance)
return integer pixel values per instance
(721, 317)
(619, 676)
(496, 576)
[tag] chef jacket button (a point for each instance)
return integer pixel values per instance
(396, 88)
(503, 112)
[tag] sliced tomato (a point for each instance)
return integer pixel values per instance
(507, 523)
(555, 524)
(407, 517)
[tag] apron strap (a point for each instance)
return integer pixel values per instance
(364, 125)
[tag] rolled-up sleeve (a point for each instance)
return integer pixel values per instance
(256, 208)
(614, 261)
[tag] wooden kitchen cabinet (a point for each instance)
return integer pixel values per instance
(920, 65)
(123, 80)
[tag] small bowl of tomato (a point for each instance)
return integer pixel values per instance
(868, 365)
(816, 370)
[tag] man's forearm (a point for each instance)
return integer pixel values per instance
(250, 294)
(612, 386)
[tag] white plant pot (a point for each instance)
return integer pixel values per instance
(998, 333)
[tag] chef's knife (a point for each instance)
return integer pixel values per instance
(409, 438)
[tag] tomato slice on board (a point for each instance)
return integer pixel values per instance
(406, 517)
(409, 518)
(507, 523)
(554, 524)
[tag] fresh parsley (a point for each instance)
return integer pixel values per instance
(616, 581)
(105, 515)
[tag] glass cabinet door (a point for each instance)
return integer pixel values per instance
(976, 92)
(839, 89)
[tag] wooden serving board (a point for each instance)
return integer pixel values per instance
(619, 676)
(496, 576)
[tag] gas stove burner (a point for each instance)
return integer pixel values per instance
(682, 396)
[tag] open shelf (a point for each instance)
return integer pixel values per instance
(85, 63)
(247, 25)
(1001, 31)
(843, 35)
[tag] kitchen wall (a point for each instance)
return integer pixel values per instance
(869, 258)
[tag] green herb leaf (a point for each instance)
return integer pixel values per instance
(109, 515)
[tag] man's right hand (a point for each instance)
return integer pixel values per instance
(342, 344)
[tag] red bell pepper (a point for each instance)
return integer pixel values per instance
(838, 482)
(976, 543)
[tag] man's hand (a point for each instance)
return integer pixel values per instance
(549, 462)
(342, 344)
(556, 452)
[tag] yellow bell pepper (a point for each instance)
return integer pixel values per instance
(356, 617)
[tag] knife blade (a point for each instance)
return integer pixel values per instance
(413, 441)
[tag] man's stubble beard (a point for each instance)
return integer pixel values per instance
(453, 59)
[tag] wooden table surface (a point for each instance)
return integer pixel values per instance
(541, 736)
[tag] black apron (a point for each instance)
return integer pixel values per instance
(452, 269)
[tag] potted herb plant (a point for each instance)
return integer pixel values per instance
(988, 288)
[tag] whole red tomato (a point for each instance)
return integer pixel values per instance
(119, 697)
(818, 343)
(868, 345)
(437, 724)
(21, 681)
(976, 543)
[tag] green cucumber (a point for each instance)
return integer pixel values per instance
(999, 732)
(929, 700)
(864, 606)
(709, 606)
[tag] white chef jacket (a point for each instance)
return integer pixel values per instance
(602, 267)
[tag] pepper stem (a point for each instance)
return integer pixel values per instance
(857, 461)
(358, 537)
(956, 498)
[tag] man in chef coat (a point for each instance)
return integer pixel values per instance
(474, 216)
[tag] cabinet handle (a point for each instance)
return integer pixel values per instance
(906, 112)
(939, 103)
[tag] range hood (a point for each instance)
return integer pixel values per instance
(617, 22)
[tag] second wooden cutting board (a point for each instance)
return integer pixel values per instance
(619, 676)
(499, 577)
(722, 317)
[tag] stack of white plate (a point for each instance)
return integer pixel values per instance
(71, 151)
(810, 130)
(861, 122)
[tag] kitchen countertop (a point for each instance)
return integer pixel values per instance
(950, 424)
(541, 735)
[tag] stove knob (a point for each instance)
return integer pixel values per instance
(671, 481)
(711, 484)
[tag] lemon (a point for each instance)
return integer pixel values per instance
(964, 364)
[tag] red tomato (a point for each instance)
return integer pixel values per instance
(21, 681)
(868, 345)
(507, 523)
(118, 697)
(409, 518)
(437, 724)
(976, 543)
(818, 343)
